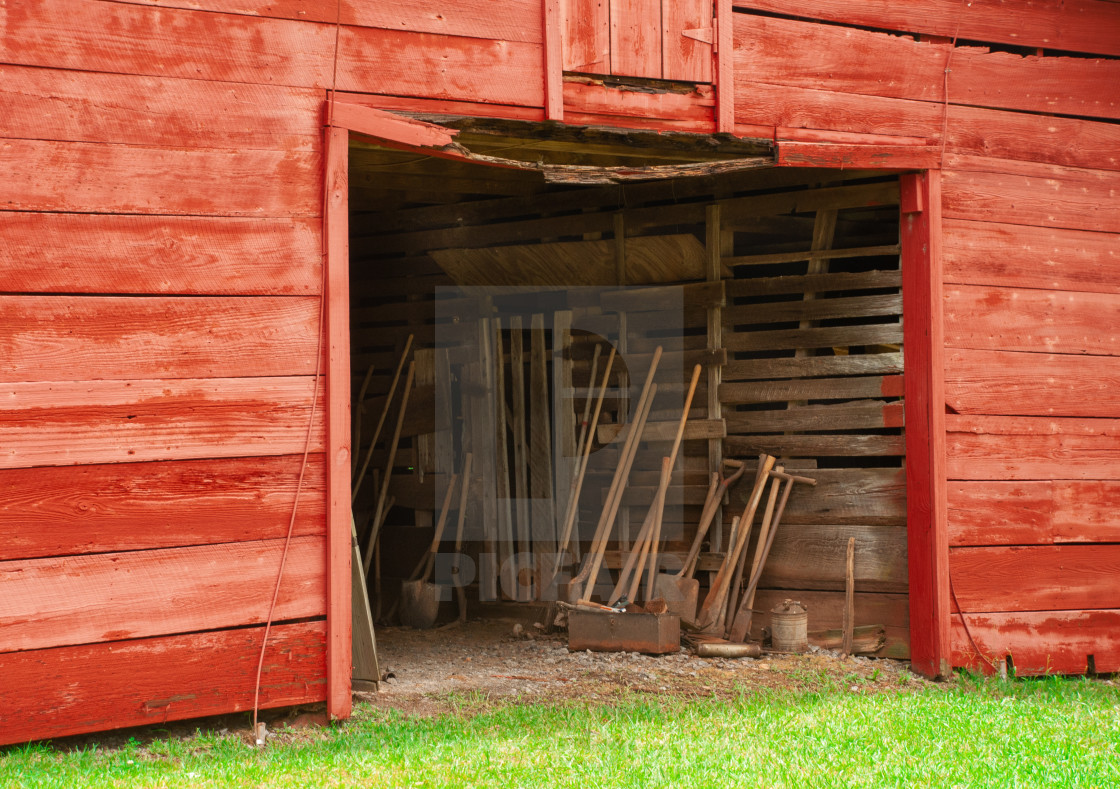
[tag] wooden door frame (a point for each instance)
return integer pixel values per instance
(927, 540)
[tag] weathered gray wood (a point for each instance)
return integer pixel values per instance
(669, 297)
(814, 557)
(815, 283)
(540, 451)
(813, 366)
(520, 445)
(811, 389)
(795, 257)
(507, 569)
(564, 426)
(839, 445)
(816, 309)
(665, 431)
(824, 337)
(855, 415)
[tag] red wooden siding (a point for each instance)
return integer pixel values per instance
(75, 689)
(1031, 244)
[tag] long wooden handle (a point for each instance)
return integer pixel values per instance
(581, 471)
(622, 470)
(464, 487)
(706, 517)
(380, 510)
(763, 532)
(655, 537)
(381, 420)
(602, 534)
(425, 567)
(712, 609)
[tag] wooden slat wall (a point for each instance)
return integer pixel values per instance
(162, 270)
(1027, 134)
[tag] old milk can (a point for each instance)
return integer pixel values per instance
(789, 627)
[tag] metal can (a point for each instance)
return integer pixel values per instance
(789, 627)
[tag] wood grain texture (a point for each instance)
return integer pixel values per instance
(136, 506)
(684, 57)
(636, 38)
(333, 320)
(812, 557)
(586, 34)
(125, 179)
(1045, 642)
(58, 338)
(869, 496)
(814, 283)
(1077, 26)
(853, 415)
(71, 600)
(519, 20)
(1026, 448)
(138, 39)
(989, 253)
(1030, 194)
(801, 54)
(79, 106)
(63, 424)
(812, 389)
(1034, 513)
(1032, 320)
(595, 98)
(99, 253)
(809, 366)
(78, 689)
(792, 113)
(1061, 577)
(815, 309)
(1032, 384)
(818, 337)
(927, 541)
(835, 445)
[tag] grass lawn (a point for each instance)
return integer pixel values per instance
(1048, 732)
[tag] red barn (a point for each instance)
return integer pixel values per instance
(217, 215)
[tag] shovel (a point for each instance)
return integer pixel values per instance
(420, 597)
(681, 592)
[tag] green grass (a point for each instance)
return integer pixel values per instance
(1049, 732)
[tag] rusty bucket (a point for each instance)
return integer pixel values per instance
(789, 627)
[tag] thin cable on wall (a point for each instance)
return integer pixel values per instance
(945, 82)
(314, 405)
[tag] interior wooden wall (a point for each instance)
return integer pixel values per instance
(1025, 129)
(810, 356)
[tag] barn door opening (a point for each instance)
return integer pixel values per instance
(650, 39)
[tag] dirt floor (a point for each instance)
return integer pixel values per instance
(504, 660)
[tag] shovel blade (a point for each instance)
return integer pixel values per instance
(679, 594)
(419, 604)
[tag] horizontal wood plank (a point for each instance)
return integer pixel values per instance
(120, 253)
(1032, 384)
(117, 596)
(814, 283)
(989, 253)
(814, 309)
(1040, 321)
(814, 557)
(868, 496)
(125, 179)
(993, 190)
(63, 424)
(833, 416)
(795, 53)
(78, 689)
(1074, 26)
(1033, 513)
(58, 338)
(80, 106)
(823, 337)
(520, 20)
(1045, 642)
(137, 39)
(1061, 577)
(838, 445)
(811, 389)
(1026, 448)
(812, 366)
(136, 506)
